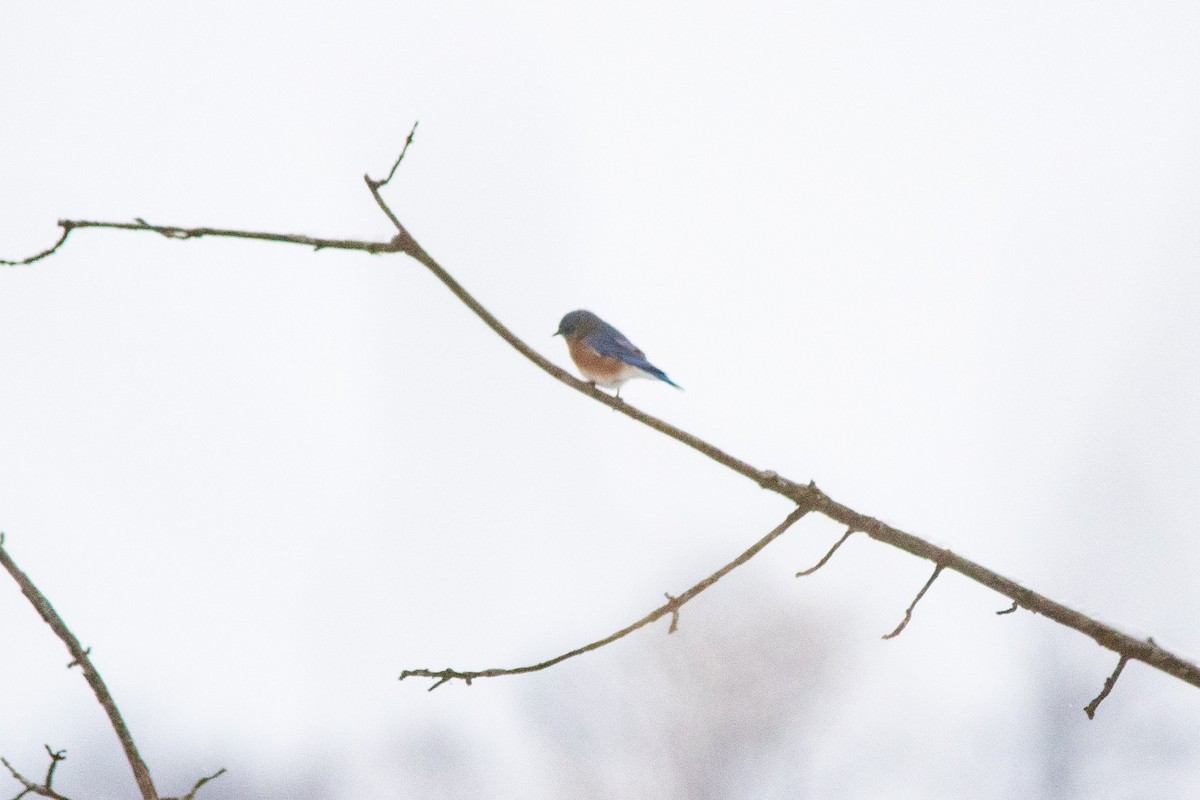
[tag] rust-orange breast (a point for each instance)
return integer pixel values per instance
(603, 370)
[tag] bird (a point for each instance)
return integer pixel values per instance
(603, 354)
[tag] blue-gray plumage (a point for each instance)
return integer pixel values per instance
(603, 354)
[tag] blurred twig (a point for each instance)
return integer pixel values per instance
(80, 658)
(46, 787)
(141, 772)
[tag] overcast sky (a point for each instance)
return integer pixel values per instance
(943, 259)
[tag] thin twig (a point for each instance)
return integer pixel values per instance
(670, 607)
(827, 556)
(66, 231)
(1008, 610)
(909, 611)
(192, 794)
(396, 166)
(1109, 683)
(141, 772)
(55, 757)
(174, 232)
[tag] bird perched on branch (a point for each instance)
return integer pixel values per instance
(603, 354)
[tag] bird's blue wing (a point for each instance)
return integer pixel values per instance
(608, 341)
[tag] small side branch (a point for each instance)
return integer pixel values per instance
(909, 611)
(192, 794)
(1008, 610)
(46, 787)
(672, 607)
(1109, 683)
(674, 612)
(141, 772)
(380, 184)
(828, 555)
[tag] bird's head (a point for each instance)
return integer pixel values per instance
(577, 324)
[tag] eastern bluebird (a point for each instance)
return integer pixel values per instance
(603, 354)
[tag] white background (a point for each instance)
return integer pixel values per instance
(939, 258)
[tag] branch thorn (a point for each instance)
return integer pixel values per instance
(75, 663)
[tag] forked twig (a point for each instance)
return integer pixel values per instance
(46, 787)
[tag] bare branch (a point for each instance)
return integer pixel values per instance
(827, 556)
(141, 772)
(804, 495)
(1109, 683)
(672, 606)
(45, 788)
(909, 611)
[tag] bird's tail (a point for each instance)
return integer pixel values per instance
(655, 372)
